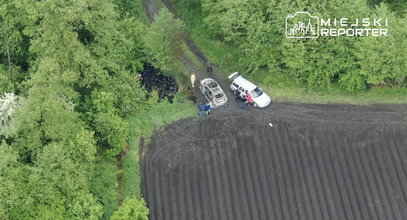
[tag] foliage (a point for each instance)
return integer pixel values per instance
(8, 103)
(14, 42)
(104, 184)
(257, 28)
(111, 133)
(142, 125)
(131, 209)
(5, 83)
(11, 182)
(163, 40)
(74, 64)
(130, 8)
(382, 60)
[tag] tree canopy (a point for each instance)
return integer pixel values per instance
(257, 27)
(67, 79)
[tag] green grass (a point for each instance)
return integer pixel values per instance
(143, 125)
(190, 55)
(281, 87)
(223, 55)
(336, 95)
(104, 184)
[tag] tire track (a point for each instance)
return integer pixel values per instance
(228, 166)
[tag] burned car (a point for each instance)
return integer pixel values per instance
(213, 92)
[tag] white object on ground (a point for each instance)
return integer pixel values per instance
(271, 125)
(193, 79)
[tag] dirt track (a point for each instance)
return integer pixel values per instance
(317, 162)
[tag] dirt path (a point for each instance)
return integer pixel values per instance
(289, 161)
(199, 70)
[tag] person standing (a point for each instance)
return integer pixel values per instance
(201, 108)
(208, 108)
(209, 66)
(193, 77)
(236, 93)
(249, 98)
(243, 100)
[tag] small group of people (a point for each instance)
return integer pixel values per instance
(244, 97)
(207, 108)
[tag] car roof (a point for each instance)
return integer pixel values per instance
(246, 84)
(216, 90)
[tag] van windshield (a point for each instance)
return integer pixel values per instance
(257, 92)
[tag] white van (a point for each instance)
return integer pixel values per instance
(260, 98)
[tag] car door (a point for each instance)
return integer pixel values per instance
(207, 93)
(234, 86)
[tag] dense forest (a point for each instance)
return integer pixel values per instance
(67, 80)
(257, 29)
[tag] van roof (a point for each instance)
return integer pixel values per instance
(246, 84)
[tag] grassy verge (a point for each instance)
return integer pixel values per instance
(104, 184)
(143, 125)
(337, 95)
(281, 87)
(224, 56)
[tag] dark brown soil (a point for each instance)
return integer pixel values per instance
(316, 162)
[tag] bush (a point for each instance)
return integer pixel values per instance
(111, 133)
(132, 209)
(163, 40)
(104, 184)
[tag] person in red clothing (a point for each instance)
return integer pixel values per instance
(249, 98)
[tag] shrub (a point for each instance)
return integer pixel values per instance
(111, 132)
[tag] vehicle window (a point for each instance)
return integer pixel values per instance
(257, 92)
(220, 95)
(212, 85)
(235, 85)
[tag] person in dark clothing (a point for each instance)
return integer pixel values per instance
(201, 109)
(236, 93)
(208, 109)
(243, 99)
(209, 66)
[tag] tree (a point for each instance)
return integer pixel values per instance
(383, 60)
(111, 132)
(8, 103)
(5, 83)
(14, 43)
(83, 57)
(59, 181)
(163, 40)
(131, 209)
(12, 187)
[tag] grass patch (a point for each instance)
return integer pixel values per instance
(143, 125)
(190, 55)
(223, 55)
(282, 88)
(104, 184)
(337, 95)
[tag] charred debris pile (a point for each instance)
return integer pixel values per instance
(153, 79)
